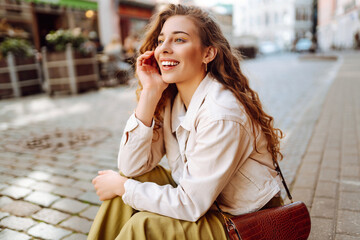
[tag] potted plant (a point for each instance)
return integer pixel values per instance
(19, 69)
(69, 62)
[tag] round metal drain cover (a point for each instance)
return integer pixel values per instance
(58, 140)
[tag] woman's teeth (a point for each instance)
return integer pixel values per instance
(168, 63)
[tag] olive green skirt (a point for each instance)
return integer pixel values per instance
(116, 220)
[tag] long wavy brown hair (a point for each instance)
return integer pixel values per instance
(225, 68)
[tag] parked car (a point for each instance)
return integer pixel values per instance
(304, 45)
(268, 47)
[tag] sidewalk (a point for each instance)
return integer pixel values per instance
(328, 180)
(50, 153)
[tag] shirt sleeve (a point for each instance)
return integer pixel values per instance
(140, 149)
(221, 147)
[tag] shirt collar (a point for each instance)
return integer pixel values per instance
(183, 118)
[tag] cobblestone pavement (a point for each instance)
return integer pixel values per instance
(328, 180)
(51, 148)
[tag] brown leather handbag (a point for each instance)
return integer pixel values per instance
(288, 222)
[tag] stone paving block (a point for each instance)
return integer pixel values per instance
(3, 214)
(8, 234)
(90, 197)
(50, 216)
(350, 185)
(17, 223)
(20, 208)
(4, 178)
(83, 176)
(349, 159)
(350, 171)
(331, 153)
(87, 168)
(348, 222)
(39, 175)
(305, 181)
(84, 185)
(44, 168)
(76, 236)
(326, 189)
(345, 237)
(5, 201)
(328, 174)
(303, 194)
(90, 213)
(65, 163)
(323, 207)
(65, 181)
(333, 163)
(42, 198)
(19, 172)
(321, 229)
(309, 169)
(315, 148)
(23, 182)
(69, 205)
(47, 231)
(43, 186)
(62, 172)
(77, 224)
(350, 201)
(68, 192)
(15, 192)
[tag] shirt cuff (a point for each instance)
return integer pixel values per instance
(130, 186)
(134, 122)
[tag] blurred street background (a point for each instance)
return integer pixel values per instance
(67, 88)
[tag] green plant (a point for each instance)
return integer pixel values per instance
(57, 40)
(18, 47)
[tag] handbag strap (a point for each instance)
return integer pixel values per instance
(230, 225)
(277, 168)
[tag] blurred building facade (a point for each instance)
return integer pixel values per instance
(124, 19)
(338, 22)
(38, 18)
(280, 21)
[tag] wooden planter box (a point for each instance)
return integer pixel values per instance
(69, 71)
(19, 76)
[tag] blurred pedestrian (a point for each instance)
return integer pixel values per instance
(196, 106)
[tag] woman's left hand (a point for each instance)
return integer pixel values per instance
(109, 184)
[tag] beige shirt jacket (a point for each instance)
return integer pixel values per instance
(211, 154)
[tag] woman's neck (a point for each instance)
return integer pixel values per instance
(188, 88)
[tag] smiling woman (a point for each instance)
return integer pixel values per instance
(196, 107)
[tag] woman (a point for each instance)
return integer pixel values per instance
(195, 106)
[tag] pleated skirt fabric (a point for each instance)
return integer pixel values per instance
(116, 220)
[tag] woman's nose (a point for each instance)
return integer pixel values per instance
(165, 47)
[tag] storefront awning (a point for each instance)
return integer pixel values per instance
(82, 4)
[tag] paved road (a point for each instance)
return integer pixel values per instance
(51, 148)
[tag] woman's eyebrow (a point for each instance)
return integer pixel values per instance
(175, 32)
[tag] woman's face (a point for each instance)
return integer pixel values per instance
(179, 53)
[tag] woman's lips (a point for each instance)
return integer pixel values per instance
(169, 64)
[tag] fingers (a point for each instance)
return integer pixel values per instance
(145, 58)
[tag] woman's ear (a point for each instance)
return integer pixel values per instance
(210, 54)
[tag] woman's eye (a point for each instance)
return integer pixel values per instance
(160, 41)
(179, 40)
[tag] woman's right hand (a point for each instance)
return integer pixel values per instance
(147, 71)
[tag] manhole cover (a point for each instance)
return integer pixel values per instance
(58, 140)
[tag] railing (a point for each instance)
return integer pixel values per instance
(19, 77)
(69, 71)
